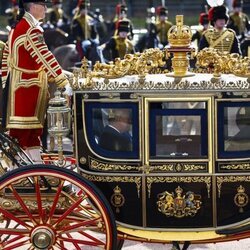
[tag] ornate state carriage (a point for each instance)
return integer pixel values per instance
(180, 173)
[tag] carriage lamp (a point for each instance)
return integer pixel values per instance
(179, 37)
(58, 121)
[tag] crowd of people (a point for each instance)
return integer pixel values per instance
(88, 30)
(28, 64)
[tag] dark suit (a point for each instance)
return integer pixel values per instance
(112, 140)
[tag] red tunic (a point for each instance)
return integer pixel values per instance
(29, 64)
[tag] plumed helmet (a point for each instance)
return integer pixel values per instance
(83, 4)
(14, 2)
(237, 3)
(21, 2)
(203, 19)
(123, 25)
(218, 12)
(162, 11)
(55, 2)
(120, 8)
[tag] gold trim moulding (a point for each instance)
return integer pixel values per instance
(150, 180)
(106, 166)
(231, 167)
(116, 179)
(150, 235)
(176, 167)
(198, 82)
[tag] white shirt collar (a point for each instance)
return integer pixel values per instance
(36, 22)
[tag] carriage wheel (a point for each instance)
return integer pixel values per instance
(64, 212)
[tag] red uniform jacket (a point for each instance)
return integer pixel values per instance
(29, 64)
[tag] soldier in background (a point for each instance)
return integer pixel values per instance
(12, 13)
(56, 15)
(239, 21)
(218, 36)
(83, 28)
(162, 24)
(121, 14)
(150, 39)
(119, 45)
(204, 23)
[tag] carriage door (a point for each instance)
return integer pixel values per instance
(177, 162)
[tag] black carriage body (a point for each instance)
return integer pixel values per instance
(188, 164)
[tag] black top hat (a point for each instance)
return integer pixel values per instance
(218, 12)
(237, 3)
(123, 25)
(21, 2)
(161, 11)
(120, 8)
(83, 4)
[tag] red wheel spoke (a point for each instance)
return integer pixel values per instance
(81, 224)
(21, 202)
(61, 246)
(39, 200)
(76, 246)
(70, 217)
(14, 231)
(12, 217)
(69, 211)
(5, 243)
(82, 242)
(92, 238)
(19, 244)
(53, 208)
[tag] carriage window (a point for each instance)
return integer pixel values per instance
(236, 136)
(113, 129)
(178, 130)
(117, 133)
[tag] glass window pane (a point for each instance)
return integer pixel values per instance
(237, 128)
(178, 136)
(113, 129)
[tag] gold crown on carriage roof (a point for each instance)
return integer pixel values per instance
(179, 35)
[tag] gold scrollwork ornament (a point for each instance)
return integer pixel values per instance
(241, 198)
(117, 199)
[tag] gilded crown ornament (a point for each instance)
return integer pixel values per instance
(179, 37)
